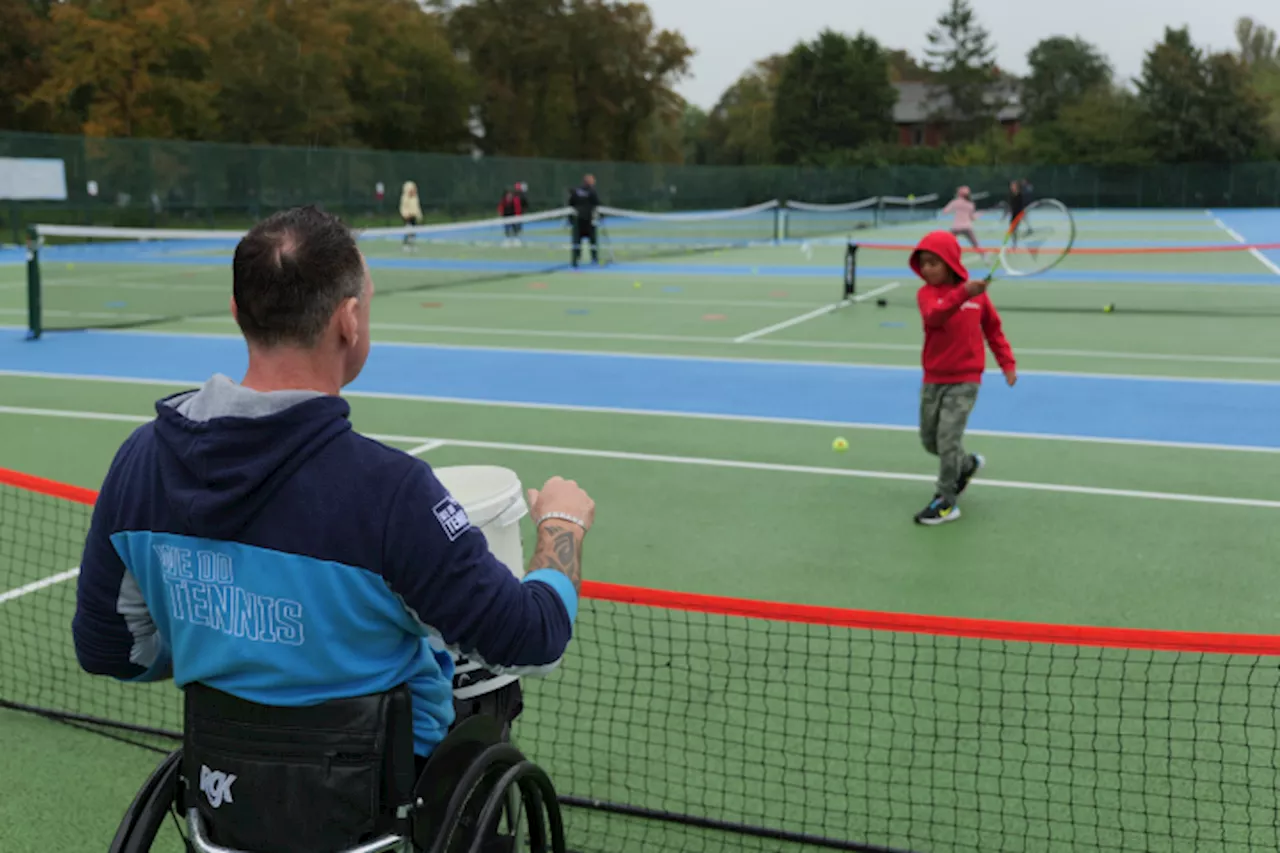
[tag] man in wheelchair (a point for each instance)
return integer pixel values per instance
(309, 589)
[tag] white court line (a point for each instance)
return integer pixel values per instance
(481, 331)
(1235, 235)
(670, 301)
(607, 410)
(426, 447)
(776, 467)
(786, 324)
(35, 586)
(826, 309)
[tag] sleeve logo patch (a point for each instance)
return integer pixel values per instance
(452, 517)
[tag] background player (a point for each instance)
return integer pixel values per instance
(510, 206)
(963, 212)
(1017, 204)
(585, 202)
(410, 210)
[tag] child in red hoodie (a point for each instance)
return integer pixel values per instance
(957, 316)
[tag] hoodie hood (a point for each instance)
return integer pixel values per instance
(224, 450)
(944, 245)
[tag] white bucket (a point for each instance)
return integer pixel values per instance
(494, 502)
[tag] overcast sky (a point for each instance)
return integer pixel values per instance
(729, 35)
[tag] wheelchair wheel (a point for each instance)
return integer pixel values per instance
(146, 814)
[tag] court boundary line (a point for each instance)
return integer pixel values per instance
(1239, 238)
(811, 315)
(1157, 444)
(37, 585)
(480, 331)
(726, 359)
(423, 444)
(854, 473)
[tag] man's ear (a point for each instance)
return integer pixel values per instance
(235, 312)
(348, 319)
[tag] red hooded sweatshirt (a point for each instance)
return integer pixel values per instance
(956, 323)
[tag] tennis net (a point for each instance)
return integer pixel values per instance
(895, 210)
(1232, 285)
(694, 723)
(94, 277)
(807, 221)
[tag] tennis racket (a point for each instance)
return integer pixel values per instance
(1038, 240)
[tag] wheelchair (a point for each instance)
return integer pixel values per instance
(341, 777)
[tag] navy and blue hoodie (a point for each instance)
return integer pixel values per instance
(255, 543)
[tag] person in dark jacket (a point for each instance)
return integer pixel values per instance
(585, 203)
(510, 206)
(248, 539)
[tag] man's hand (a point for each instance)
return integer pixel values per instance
(975, 286)
(559, 541)
(561, 495)
(1011, 376)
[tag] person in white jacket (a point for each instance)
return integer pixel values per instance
(410, 210)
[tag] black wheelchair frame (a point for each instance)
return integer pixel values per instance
(473, 780)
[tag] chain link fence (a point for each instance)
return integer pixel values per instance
(168, 183)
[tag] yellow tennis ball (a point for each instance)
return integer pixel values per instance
(1108, 308)
(637, 284)
(840, 445)
(71, 266)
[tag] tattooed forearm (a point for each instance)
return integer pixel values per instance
(560, 548)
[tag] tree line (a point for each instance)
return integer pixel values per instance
(830, 101)
(594, 80)
(580, 79)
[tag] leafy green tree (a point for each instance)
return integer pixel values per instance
(834, 94)
(1257, 43)
(1259, 51)
(279, 67)
(407, 89)
(570, 78)
(1062, 71)
(696, 147)
(740, 126)
(128, 69)
(962, 59)
(25, 35)
(1199, 108)
(903, 68)
(1105, 126)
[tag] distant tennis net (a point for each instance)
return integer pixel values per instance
(89, 277)
(804, 220)
(695, 723)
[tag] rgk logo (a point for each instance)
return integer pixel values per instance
(216, 785)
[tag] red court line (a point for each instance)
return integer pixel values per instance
(1112, 250)
(836, 617)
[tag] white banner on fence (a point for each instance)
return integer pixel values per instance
(31, 179)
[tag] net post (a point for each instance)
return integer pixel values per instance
(35, 324)
(850, 270)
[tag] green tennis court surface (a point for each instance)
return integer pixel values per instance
(1089, 534)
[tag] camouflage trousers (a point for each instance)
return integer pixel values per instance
(944, 412)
